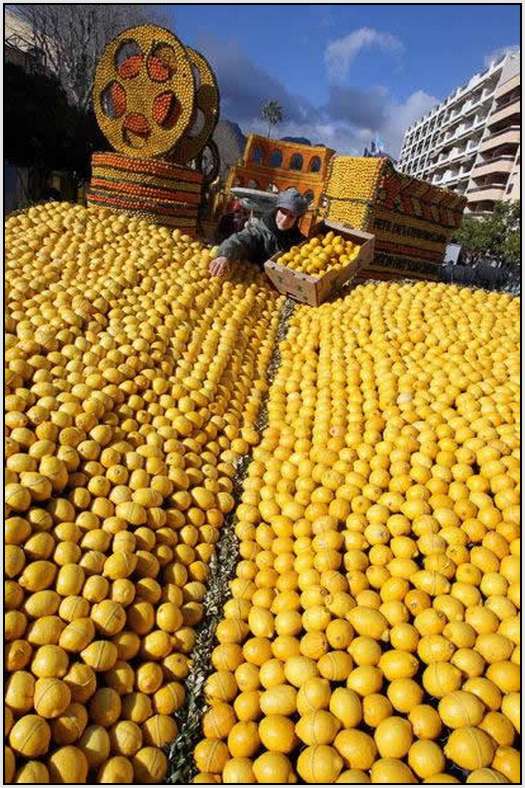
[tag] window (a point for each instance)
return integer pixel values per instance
(296, 162)
(276, 159)
(315, 164)
(257, 155)
(309, 195)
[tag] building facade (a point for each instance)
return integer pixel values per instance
(470, 143)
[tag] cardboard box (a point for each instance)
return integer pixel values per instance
(313, 290)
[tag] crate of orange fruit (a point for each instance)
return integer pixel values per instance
(315, 270)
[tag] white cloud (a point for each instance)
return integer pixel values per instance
(340, 53)
(349, 135)
(399, 116)
(375, 114)
(349, 119)
(498, 53)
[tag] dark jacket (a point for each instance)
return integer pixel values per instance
(259, 240)
(228, 225)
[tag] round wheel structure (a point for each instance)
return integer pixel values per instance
(209, 162)
(144, 92)
(206, 110)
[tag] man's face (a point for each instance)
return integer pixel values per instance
(284, 219)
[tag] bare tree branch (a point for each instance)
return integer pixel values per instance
(72, 37)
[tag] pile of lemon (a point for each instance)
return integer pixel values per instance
(330, 252)
(133, 384)
(372, 634)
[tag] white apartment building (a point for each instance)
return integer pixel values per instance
(470, 143)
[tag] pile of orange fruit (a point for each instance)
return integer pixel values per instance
(372, 630)
(330, 252)
(372, 634)
(131, 393)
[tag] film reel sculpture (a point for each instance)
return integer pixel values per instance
(157, 103)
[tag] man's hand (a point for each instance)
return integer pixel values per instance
(221, 266)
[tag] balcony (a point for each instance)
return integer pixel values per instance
(480, 120)
(457, 154)
(510, 98)
(490, 191)
(506, 87)
(506, 137)
(501, 164)
(466, 130)
(478, 212)
(507, 111)
(472, 105)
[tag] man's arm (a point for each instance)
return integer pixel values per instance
(243, 245)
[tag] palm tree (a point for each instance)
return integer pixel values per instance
(272, 113)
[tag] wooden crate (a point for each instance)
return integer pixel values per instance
(313, 290)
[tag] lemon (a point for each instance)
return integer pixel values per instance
(470, 748)
(319, 763)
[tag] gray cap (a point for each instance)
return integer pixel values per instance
(293, 201)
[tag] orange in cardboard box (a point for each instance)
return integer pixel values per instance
(343, 252)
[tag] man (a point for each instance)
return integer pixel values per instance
(262, 238)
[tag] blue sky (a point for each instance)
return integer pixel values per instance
(343, 73)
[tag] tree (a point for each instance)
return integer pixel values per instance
(71, 38)
(272, 113)
(511, 249)
(496, 238)
(43, 132)
(474, 238)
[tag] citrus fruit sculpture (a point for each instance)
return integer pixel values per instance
(157, 103)
(206, 110)
(144, 91)
(157, 190)
(412, 220)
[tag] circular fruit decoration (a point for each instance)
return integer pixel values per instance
(144, 91)
(208, 162)
(206, 110)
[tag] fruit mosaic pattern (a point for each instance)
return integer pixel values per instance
(206, 109)
(160, 192)
(409, 217)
